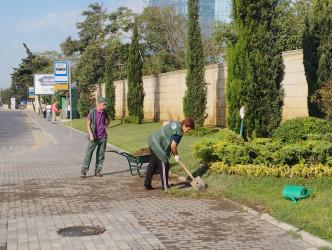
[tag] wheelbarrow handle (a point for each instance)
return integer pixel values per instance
(112, 151)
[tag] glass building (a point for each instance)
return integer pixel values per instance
(209, 11)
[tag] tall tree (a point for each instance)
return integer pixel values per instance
(102, 32)
(109, 79)
(194, 101)
(317, 51)
(22, 77)
(255, 69)
(164, 43)
(135, 96)
(291, 22)
(223, 34)
(90, 71)
(89, 31)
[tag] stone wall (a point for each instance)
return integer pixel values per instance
(164, 93)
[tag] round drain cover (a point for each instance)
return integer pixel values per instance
(80, 231)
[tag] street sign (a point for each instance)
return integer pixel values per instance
(60, 72)
(31, 92)
(61, 86)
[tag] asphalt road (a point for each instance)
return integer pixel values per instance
(18, 133)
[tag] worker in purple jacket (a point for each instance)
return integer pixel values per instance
(97, 123)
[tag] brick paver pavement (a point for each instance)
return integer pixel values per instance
(41, 192)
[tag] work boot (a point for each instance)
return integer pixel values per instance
(98, 174)
(82, 176)
(149, 187)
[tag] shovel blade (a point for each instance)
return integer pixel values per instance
(198, 184)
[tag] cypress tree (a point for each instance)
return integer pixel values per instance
(194, 101)
(255, 69)
(135, 96)
(317, 51)
(109, 88)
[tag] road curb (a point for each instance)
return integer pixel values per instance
(307, 237)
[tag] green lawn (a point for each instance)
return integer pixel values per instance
(313, 214)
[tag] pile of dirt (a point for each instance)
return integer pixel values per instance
(142, 151)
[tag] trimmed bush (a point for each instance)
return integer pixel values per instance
(300, 128)
(230, 148)
(131, 119)
(299, 170)
(201, 131)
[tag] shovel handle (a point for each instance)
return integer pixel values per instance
(191, 176)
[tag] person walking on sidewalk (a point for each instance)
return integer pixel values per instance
(54, 111)
(44, 110)
(97, 123)
(162, 144)
(48, 111)
(68, 111)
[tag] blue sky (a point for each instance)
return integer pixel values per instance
(42, 25)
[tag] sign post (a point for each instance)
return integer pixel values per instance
(70, 104)
(242, 117)
(31, 92)
(62, 75)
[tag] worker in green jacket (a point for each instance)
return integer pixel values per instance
(163, 143)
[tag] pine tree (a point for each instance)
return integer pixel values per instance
(194, 101)
(317, 51)
(135, 96)
(255, 69)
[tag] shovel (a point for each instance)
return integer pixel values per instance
(197, 183)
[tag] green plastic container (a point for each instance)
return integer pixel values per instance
(295, 193)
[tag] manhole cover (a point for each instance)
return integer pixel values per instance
(80, 231)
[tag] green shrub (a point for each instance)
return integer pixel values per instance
(231, 149)
(230, 136)
(202, 130)
(291, 154)
(203, 150)
(298, 170)
(323, 151)
(131, 120)
(300, 128)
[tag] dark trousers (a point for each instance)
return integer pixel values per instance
(163, 168)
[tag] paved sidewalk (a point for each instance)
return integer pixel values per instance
(41, 192)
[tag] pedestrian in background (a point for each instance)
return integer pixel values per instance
(48, 111)
(162, 144)
(68, 111)
(97, 123)
(44, 110)
(54, 111)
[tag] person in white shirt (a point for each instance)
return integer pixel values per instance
(48, 111)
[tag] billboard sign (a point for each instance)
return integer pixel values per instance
(12, 103)
(60, 71)
(44, 84)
